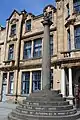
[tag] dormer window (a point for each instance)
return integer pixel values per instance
(13, 30)
(28, 25)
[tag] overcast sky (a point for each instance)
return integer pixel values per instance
(34, 6)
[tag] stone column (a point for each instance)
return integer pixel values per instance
(5, 41)
(71, 7)
(70, 97)
(46, 60)
(70, 83)
(30, 85)
(63, 88)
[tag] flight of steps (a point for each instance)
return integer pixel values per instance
(45, 105)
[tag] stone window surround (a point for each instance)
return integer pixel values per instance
(25, 26)
(12, 84)
(32, 39)
(11, 43)
(30, 84)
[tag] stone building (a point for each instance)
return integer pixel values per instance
(21, 43)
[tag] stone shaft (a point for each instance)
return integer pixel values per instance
(46, 59)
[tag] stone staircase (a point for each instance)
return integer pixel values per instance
(45, 105)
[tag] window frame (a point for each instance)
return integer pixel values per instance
(77, 37)
(37, 50)
(25, 82)
(69, 39)
(11, 52)
(36, 80)
(25, 50)
(28, 25)
(11, 84)
(76, 5)
(51, 45)
(13, 30)
(51, 79)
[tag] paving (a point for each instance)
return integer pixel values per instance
(5, 109)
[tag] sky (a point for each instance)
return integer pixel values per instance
(32, 6)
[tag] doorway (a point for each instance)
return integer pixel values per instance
(4, 86)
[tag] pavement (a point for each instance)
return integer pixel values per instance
(5, 109)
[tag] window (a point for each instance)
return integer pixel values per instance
(27, 50)
(4, 77)
(69, 40)
(68, 10)
(28, 25)
(51, 45)
(13, 29)
(37, 48)
(11, 52)
(25, 83)
(11, 82)
(51, 77)
(36, 81)
(77, 37)
(77, 5)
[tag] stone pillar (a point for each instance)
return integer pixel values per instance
(72, 37)
(30, 85)
(70, 83)
(70, 97)
(63, 88)
(46, 59)
(5, 41)
(71, 7)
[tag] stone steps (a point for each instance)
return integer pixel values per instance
(30, 107)
(38, 117)
(43, 93)
(50, 103)
(46, 113)
(44, 106)
(46, 99)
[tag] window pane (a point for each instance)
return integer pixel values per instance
(4, 77)
(36, 80)
(28, 25)
(77, 37)
(51, 77)
(27, 50)
(51, 45)
(13, 29)
(68, 10)
(38, 48)
(10, 52)
(11, 82)
(25, 83)
(69, 40)
(77, 5)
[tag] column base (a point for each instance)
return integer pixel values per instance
(71, 99)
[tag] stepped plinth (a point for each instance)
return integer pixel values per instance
(44, 105)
